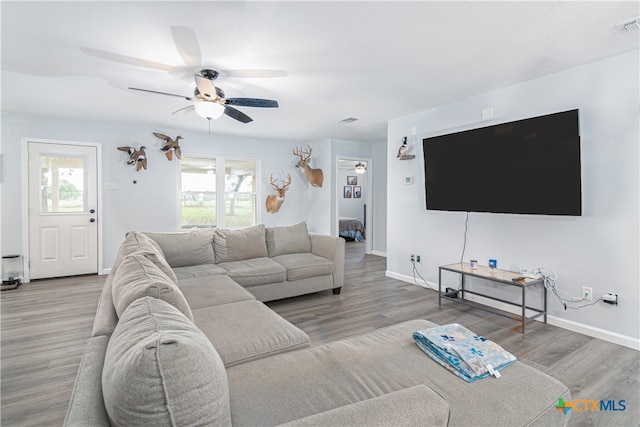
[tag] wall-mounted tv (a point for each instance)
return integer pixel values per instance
(529, 166)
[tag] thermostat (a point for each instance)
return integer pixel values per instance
(408, 180)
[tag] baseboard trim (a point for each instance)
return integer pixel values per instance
(409, 279)
(378, 253)
(603, 334)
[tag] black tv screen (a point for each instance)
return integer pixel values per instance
(529, 166)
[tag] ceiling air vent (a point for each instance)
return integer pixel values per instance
(632, 25)
(348, 120)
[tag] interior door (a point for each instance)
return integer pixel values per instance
(63, 231)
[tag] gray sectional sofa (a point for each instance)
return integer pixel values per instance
(181, 338)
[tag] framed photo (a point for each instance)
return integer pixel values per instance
(347, 192)
(352, 180)
(357, 192)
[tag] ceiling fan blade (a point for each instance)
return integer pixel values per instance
(187, 45)
(124, 59)
(252, 102)
(236, 114)
(253, 73)
(205, 87)
(162, 93)
(184, 110)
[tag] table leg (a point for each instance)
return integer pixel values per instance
(462, 287)
(524, 305)
(544, 292)
(439, 287)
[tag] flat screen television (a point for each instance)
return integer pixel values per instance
(529, 166)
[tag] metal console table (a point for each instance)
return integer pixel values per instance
(498, 276)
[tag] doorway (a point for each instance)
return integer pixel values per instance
(62, 227)
(354, 201)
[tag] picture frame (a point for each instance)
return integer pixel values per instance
(352, 180)
(357, 192)
(347, 192)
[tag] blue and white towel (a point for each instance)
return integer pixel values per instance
(469, 356)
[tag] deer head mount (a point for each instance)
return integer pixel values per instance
(274, 201)
(314, 176)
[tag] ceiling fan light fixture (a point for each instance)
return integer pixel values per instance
(208, 110)
(360, 168)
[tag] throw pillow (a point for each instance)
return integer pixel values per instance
(185, 248)
(238, 245)
(292, 239)
(137, 277)
(160, 369)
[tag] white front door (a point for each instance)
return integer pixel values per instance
(63, 231)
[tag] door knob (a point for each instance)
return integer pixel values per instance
(92, 211)
(92, 220)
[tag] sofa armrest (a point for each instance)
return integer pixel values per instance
(106, 317)
(414, 406)
(332, 248)
(86, 407)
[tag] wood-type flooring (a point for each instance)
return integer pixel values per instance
(46, 323)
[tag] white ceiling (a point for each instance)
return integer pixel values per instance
(372, 60)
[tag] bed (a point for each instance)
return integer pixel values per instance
(351, 229)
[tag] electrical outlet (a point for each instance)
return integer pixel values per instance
(413, 257)
(417, 258)
(610, 299)
(587, 293)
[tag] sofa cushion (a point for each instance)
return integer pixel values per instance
(197, 271)
(304, 265)
(386, 360)
(135, 241)
(183, 248)
(237, 245)
(256, 271)
(161, 370)
(290, 239)
(248, 330)
(208, 291)
(413, 406)
(137, 277)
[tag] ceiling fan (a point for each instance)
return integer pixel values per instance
(210, 103)
(188, 48)
(208, 100)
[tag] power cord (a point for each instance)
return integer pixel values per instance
(416, 272)
(549, 280)
(464, 246)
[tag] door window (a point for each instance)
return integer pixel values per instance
(63, 184)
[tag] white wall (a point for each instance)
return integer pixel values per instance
(599, 249)
(151, 204)
(378, 220)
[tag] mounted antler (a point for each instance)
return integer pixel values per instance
(315, 176)
(274, 201)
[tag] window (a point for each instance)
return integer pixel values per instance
(218, 192)
(62, 184)
(240, 193)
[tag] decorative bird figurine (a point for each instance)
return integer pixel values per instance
(403, 148)
(137, 157)
(170, 145)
